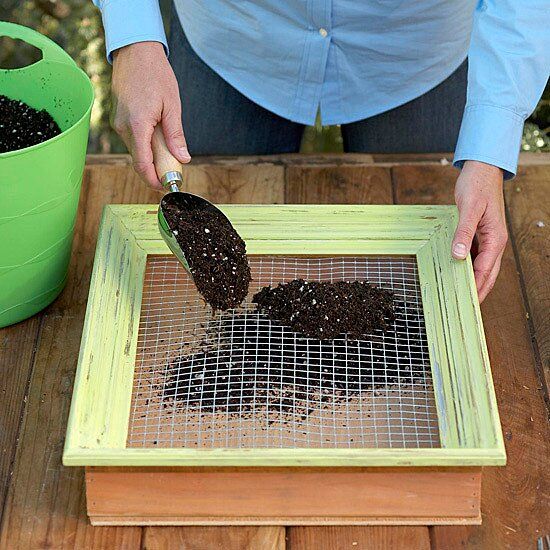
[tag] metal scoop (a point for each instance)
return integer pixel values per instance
(169, 172)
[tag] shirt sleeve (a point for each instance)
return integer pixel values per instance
(129, 21)
(509, 65)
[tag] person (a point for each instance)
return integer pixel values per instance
(424, 76)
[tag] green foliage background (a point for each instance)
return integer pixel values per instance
(76, 26)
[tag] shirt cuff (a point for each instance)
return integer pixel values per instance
(130, 21)
(492, 135)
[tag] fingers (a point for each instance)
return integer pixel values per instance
(492, 239)
(173, 131)
(490, 243)
(137, 135)
(139, 143)
(486, 269)
(484, 230)
(470, 214)
(480, 201)
(487, 262)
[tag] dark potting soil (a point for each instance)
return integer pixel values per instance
(22, 126)
(244, 367)
(325, 310)
(215, 252)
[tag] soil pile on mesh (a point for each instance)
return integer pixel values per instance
(244, 367)
(22, 126)
(215, 252)
(325, 310)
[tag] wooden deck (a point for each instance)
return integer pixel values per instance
(43, 503)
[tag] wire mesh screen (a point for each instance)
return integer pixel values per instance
(236, 379)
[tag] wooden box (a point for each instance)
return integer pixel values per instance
(406, 454)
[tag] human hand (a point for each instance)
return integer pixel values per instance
(480, 201)
(145, 93)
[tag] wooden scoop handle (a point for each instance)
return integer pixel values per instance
(164, 160)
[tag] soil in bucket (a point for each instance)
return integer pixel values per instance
(22, 126)
(325, 310)
(216, 255)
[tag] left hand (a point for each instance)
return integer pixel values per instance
(480, 201)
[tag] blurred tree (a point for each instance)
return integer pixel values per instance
(536, 135)
(322, 139)
(76, 26)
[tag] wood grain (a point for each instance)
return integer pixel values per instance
(362, 538)
(17, 348)
(528, 201)
(212, 538)
(338, 185)
(247, 184)
(296, 494)
(515, 499)
(45, 502)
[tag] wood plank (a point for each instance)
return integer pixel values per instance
(45, 505)
(222, 181)
(245, 184)
(338, 185)
(211, 538)
(363, 538)
(528, 202)
(345, 185)
(17, 348)
(515, 504)
(296, 494)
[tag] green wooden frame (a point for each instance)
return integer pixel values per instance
(469, 425)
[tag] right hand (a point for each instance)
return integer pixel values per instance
(145, 93)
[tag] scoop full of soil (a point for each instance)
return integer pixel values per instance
(215, 252)
(325, 310)
(22, 126)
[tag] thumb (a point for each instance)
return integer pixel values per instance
(173, 135)
(469, 217)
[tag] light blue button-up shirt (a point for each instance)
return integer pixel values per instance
(353, 59)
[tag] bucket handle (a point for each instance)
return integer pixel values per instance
(50, 50)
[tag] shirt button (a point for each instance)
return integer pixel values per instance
(323, 32)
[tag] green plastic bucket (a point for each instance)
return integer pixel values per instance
(40, 185)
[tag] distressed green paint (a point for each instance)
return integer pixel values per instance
(284, 457)
(312, 247)
(283, 222)
(102, 392)
(468, 417)
(434, 322)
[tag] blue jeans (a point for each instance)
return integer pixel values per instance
(219, 120)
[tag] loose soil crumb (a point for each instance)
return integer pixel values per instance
(326, 310)
(247, 365)
(22, 126)
(215, 252)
